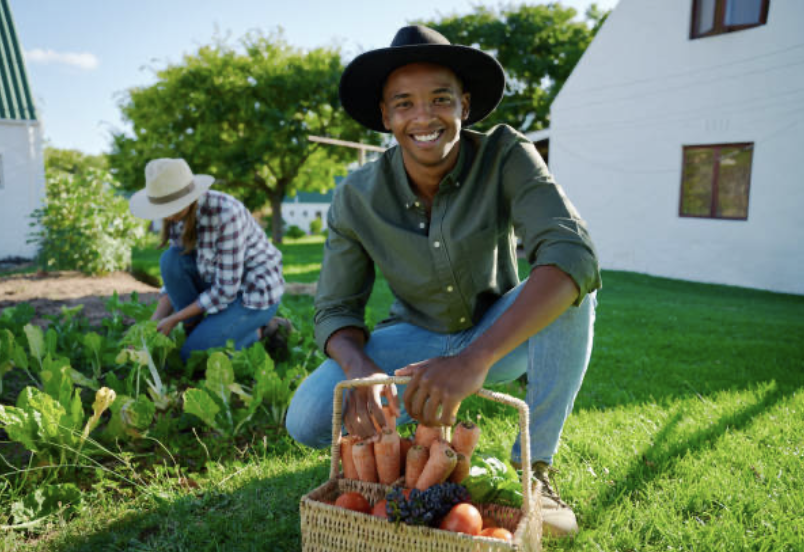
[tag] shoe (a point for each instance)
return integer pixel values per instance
(274, 336)
(558, 519)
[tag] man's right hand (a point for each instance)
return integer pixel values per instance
(363, 404)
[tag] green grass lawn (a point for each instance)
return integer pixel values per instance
(688, 434)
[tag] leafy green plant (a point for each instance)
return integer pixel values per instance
(294, 232)
(316, 225)
(84, 225)
(226, 406)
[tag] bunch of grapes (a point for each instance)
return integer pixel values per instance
(424, 507)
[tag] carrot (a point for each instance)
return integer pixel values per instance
(390, 419)
(386, 455)
(349, 469)
(404, 447)
(465, 438)
(461, 470)
(363, 456)
(414, 464)
(425, 435)
(440, 464)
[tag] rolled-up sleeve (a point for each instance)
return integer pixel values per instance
(229, 262)
(552, 231)
(346, 279)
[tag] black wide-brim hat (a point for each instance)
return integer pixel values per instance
(363, 79)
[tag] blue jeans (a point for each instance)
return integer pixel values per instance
(555, 361)
(236, 322)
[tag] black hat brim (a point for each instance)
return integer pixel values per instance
(362, 80)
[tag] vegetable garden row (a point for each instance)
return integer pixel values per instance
(57, 384)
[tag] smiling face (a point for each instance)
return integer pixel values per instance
(423, 105)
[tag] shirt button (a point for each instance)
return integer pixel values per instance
(462, 320)
(416, 204)
(422, 225)
(449, 289)
(436, 244)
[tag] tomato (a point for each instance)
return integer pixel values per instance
(497, 533)
(379, 509)
(463, 518)
(354, 501)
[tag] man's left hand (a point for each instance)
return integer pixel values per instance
(438, 386)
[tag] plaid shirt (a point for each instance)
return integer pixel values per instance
(233, 254)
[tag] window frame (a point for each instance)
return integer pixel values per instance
(715, 180)
(719, 27)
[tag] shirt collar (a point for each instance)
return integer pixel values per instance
(449, 182)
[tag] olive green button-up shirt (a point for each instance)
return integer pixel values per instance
(446, 272)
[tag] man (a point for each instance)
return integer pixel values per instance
(437, 216)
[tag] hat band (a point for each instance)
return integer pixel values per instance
(187, 190)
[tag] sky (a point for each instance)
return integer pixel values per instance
(82, 55)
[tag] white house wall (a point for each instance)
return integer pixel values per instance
(641, 92)
(302, 214)
(22, 187)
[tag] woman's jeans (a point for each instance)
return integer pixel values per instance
(236, 322)
(554, 360)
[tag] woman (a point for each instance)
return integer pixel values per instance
(221, 275)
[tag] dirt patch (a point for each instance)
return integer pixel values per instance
(48, 293)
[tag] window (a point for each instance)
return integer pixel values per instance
(715, 181)
(714, 17)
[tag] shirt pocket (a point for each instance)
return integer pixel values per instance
(476, 265)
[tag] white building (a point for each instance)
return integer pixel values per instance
(678, 137)
(22, 174)
(301, 209)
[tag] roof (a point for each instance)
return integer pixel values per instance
(314, 197)
(15, 94)
(311, 197)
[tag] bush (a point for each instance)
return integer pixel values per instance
(316, 225)
(84, 225)
(295, 232)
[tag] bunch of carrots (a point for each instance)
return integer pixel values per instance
(424, 460)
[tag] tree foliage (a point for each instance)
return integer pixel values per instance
(243, 114)
(537, 45)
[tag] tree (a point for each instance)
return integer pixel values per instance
(73, 161)
(537, 45)
(243, 115)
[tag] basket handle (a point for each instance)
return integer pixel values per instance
(520, 405)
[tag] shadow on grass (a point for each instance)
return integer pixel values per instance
(661, 458)
(262, 515)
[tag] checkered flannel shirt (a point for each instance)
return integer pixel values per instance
(233, 254)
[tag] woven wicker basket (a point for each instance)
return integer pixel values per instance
(326, 528)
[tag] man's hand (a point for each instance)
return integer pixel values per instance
(167, 324)
(363, 404)
(439, 385)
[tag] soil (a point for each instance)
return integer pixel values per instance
(48, 292)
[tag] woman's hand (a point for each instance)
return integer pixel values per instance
(167, 324)
(439, 385)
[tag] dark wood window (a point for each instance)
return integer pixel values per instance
(715, 181)
(714, 17)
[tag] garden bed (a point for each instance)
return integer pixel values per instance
(48, 292)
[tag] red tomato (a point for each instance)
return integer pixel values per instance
(463, 518)
(379, 509)
(354, 501)
(497, 533)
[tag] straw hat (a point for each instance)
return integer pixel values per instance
(170, 186)
(363, 79)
